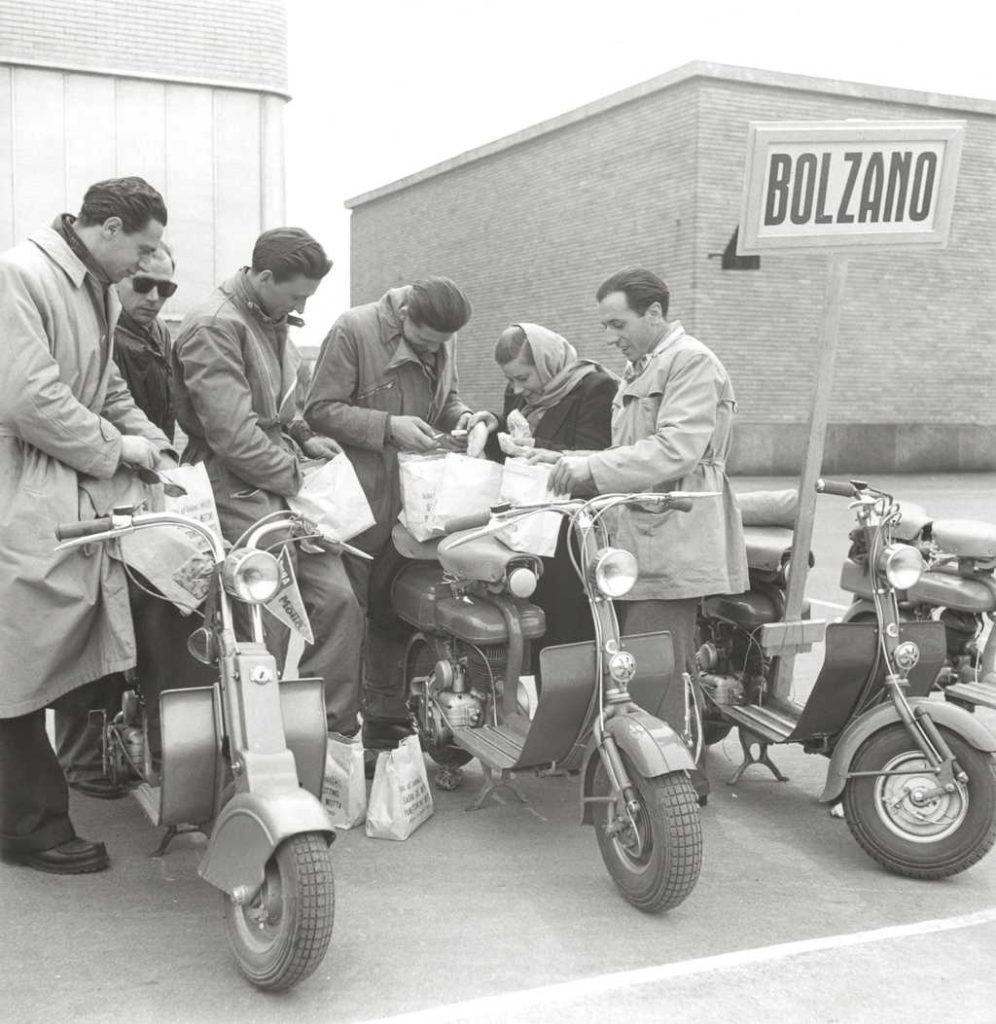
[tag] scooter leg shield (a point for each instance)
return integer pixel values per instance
(956, 719)
(652, 747)
(247, 831)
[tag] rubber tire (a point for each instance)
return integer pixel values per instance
(445, 755)
(949, 855)
(300, 935)
(670, 807)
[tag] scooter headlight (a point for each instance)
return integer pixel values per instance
(615, 571)
(251, 576)
(902, 565)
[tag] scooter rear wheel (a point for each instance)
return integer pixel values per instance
(920, 838)
(656, 866)
(282, 934)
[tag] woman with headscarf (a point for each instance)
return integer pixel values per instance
(567, 402)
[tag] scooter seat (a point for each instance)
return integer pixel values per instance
(768, 508)
(914, 518)
(417, 550)
(483, 558)
(967, 538)
(748, 610)
(767, 546)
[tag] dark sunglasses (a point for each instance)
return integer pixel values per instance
(144, 285)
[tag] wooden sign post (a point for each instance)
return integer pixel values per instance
(844, 186)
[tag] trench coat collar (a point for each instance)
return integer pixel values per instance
(57, 249)
(671, 335)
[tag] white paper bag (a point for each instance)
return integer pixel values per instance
(332, 496)
(525, 483)
(177, 561)
(344, 787)
(420, 476)
(400, 798)
(467, 487)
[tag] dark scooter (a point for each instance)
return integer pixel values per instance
(467, 598)
(957, 588)
(917, 776)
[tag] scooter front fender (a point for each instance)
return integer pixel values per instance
(247, 831)
(954, 718)
(859, 610)
(651, 746)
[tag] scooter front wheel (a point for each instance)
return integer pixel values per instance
(907, 828)
(282, 934)
(655, 858)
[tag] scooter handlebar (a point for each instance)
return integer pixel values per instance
(89, 528)
(841, 488)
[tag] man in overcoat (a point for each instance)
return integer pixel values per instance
(68, 430)
(235, 386)
(672, 425)
(386, 382)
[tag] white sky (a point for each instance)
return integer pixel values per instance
(384, 88)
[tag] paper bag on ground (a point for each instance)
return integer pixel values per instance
(332, 496)
(344, 787)
(400, 798)
(420, 477)
(177, 561)
(525, 483)
(467, 486)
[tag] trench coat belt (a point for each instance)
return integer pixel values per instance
(719, 464)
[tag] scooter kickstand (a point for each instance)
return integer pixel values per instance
(748, 741)
(490, 791)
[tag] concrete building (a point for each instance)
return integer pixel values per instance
(189, 95)
(532, 223)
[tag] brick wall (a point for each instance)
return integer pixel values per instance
(240, 42)
(532, 229)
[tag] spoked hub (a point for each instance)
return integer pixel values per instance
(910, 805)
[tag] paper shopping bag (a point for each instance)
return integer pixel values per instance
(467, 487)
(420, 477)
(525, 483)
(344, 787)
(332, 496)
(175, 560)
(400, 798)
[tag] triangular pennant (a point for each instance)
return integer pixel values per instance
(287, 604)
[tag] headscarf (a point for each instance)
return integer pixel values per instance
(558, 368)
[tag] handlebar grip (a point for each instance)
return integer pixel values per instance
(841, 488)
(680, 504)
(70, 531)
(468, 522)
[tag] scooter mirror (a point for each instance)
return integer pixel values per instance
(203, 646)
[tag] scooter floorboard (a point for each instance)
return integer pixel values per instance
(499, 746)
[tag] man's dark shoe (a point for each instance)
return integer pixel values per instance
(102, 789)
(74, 857)
(384, 733)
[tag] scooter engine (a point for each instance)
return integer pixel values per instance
(446, 704)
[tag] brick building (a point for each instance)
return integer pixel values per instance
(532, 223)
(189, 95)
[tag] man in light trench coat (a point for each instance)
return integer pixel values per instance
(68, 431)
(672, 421)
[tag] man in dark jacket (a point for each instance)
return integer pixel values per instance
(142, 341)
(235, 389)
(386, 382)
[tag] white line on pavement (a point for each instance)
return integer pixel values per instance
(532, 998)
(828, 604)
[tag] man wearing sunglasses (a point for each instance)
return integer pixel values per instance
(141, 340)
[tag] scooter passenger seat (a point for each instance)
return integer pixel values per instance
(768, 508)
(967, 538)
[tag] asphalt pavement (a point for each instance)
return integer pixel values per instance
(507, 914)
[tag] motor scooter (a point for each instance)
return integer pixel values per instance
(957, 588)
(242, 760)
(466, 595)
(916, 776)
